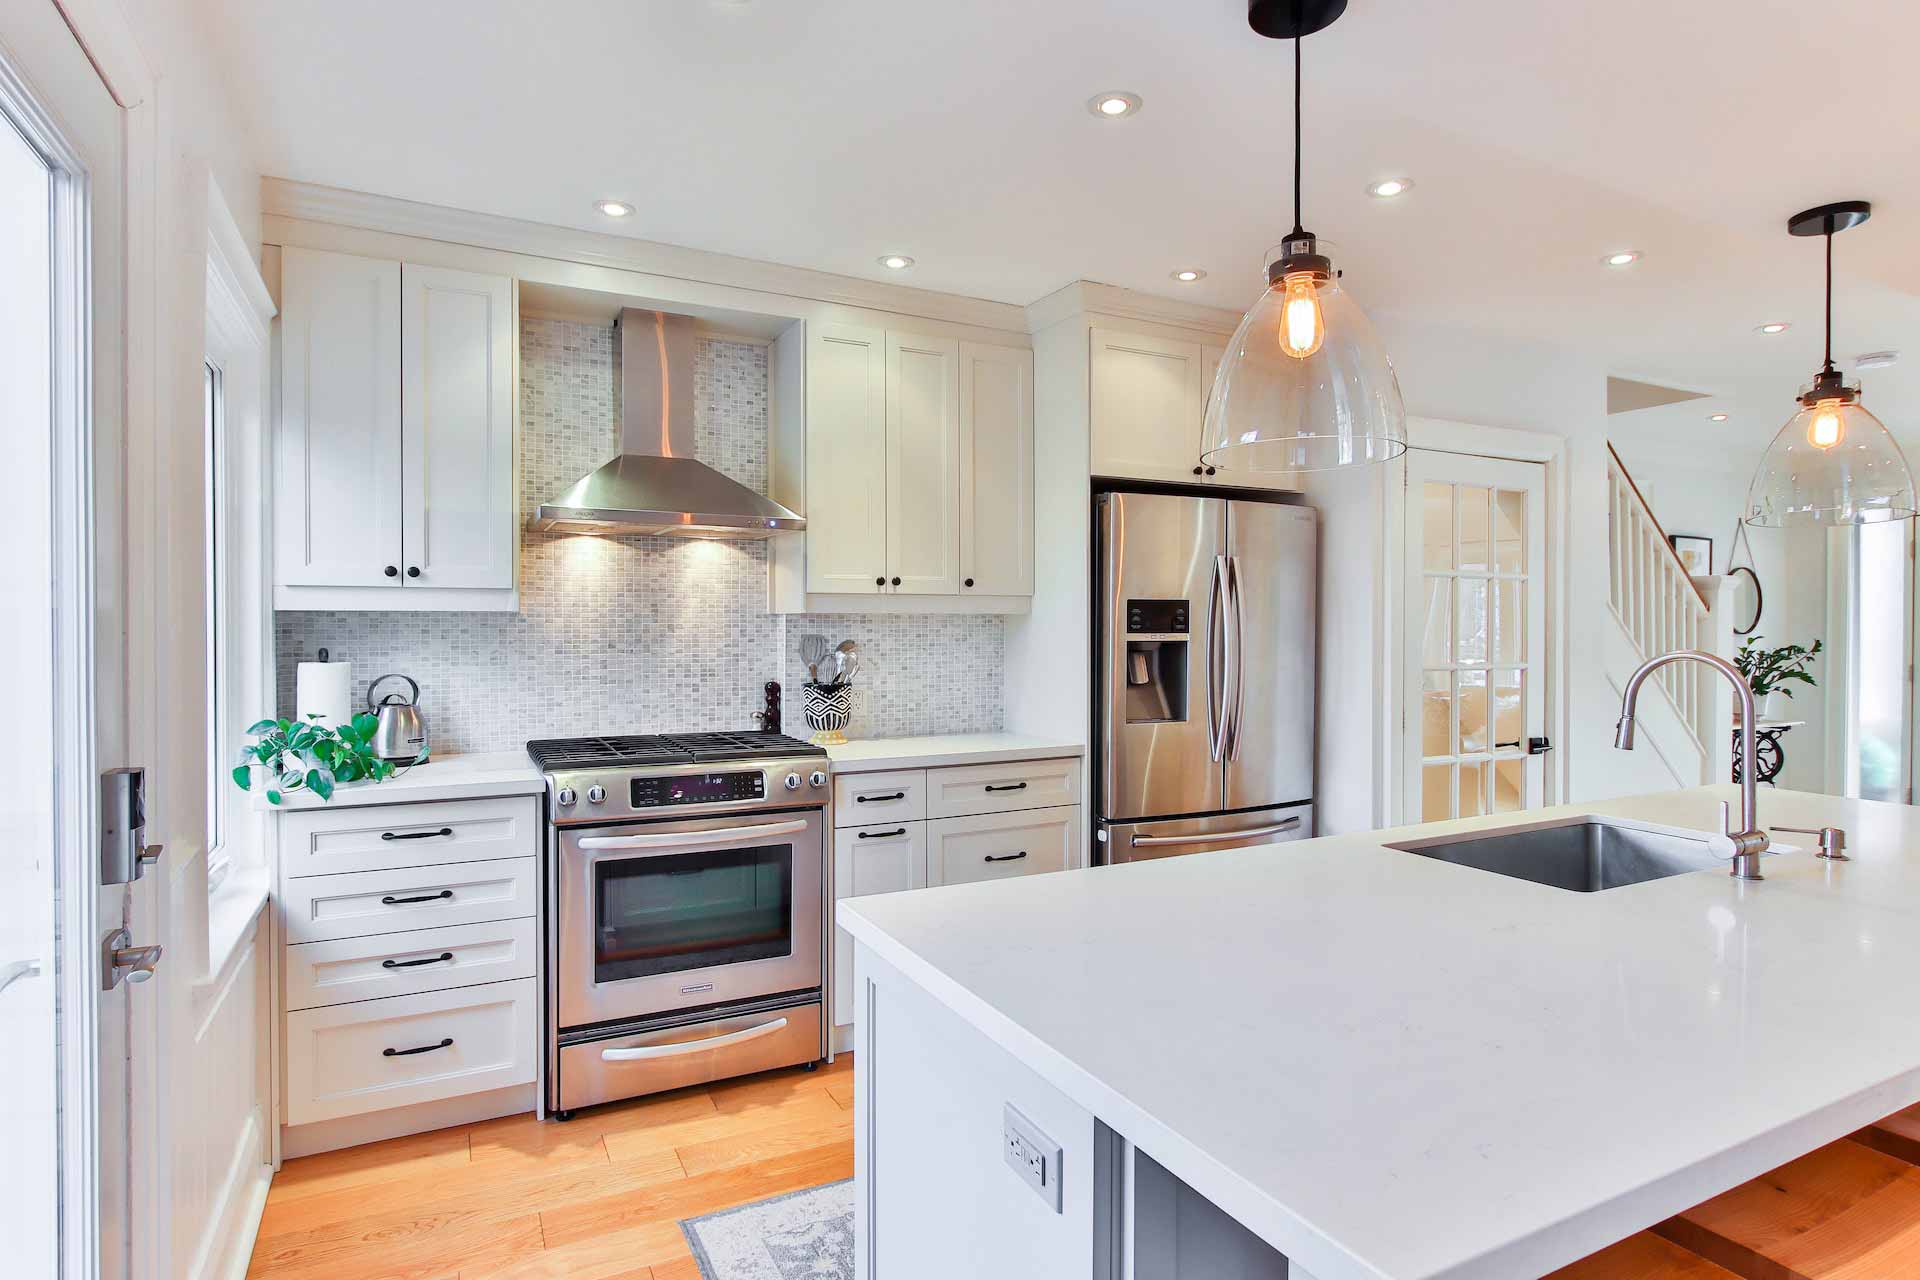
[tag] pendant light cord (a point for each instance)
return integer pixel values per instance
(1829, 365)
(1298, 228)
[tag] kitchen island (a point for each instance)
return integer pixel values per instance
(1367, 1062)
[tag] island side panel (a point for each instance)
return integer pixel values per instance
(933, 1197)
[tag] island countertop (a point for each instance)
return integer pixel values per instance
(1389, 1066)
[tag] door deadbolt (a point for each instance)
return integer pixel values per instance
(120, 959)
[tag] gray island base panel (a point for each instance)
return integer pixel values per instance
(1374, 1064)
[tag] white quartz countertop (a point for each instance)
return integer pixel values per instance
(1390, 1066)
(485, 773)
(875, 754)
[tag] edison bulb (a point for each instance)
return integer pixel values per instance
(1302, 326)
(1825, 430)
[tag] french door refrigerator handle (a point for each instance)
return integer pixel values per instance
(1216, 837)
(1237, 673)
(1216, 639)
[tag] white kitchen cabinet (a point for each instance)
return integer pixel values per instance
(1148, 401)
(337, 509)
(882, 858)
(1001, 846)
(923, 464)
(456, 364)
(846, 448)
(394, 451)
(913, 463)
(996, 470)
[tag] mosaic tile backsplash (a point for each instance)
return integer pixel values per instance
(643, 635)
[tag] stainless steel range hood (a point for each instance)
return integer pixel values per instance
(655, 485)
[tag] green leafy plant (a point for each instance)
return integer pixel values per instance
(1772, 670)
(315, 757)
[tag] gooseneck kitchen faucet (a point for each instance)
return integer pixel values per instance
(1747, 844)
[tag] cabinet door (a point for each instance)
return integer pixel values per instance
(996, 470)
(923, 464)
(456, 366)
(846, 459)
(886, 857)
(1147, 397)
(338, 495)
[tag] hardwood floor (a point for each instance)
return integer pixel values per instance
(597, 1198)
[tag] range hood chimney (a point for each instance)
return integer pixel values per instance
(655, 485)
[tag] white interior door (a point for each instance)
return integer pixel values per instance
(64, 1074)
(1476, 610)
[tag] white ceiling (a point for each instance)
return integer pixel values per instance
(822, 133)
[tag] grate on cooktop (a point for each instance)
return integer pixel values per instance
(642, 750)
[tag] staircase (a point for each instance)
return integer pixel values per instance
(1685, 711)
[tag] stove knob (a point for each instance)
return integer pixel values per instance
(817, 778)
(565, 797)
(596, 793)
(792, 782)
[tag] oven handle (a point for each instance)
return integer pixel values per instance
(684, 839)
(641, 1052)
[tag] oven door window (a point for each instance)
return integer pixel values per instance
(674, 912)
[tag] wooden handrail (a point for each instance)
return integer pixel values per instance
(1641, 498)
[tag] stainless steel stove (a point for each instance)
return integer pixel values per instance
(686, 907)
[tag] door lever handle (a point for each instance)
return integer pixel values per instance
(15, 970)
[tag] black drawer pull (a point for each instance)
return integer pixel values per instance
(881, 835)
(891, 795)
(392, 901)
(1017, 786)
(416, 835)
(442, 958)
(425, 1048)
(1008, 857)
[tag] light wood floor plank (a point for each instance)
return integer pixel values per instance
(692, 1197)
(842, 1095)
(640, 1144)
(802, 1133)
(374, 1163)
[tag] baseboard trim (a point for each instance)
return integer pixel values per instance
(398, 1122)
(226, 1247)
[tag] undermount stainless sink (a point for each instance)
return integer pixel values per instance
(1581, 854)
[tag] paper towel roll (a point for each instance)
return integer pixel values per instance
(324, 689)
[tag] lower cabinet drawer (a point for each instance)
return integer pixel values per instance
(651, 1061)
(359, 903)
(999, 846)
(398, 964)
(350, 1059)
(1002, 788)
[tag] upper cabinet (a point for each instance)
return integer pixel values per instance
(394, 453)
(1149, 407)
(918, 470)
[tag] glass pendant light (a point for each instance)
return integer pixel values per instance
(1304, 384)
(1834, 463)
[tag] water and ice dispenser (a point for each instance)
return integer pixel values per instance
(1156, 661)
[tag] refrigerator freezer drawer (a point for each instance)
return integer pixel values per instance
(1139, 841)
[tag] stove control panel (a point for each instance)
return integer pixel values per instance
(698, 788)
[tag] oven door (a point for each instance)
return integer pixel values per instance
(657, 916)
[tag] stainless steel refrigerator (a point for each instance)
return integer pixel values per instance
(1204, 697)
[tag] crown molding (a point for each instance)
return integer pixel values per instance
(313, 203)
(1089, 297)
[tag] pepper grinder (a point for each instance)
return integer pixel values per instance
(769, 719)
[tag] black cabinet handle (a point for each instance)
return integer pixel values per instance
(880, 581)
(880, 835)
(1009, 857)
(413, 571)
(1017, 786)
(891, 795)
(442, 958)
(416, 835)
(392, 901)
(393, 571)
(896, 582)
(969, 582)
(1209, 470)
(1199, 470)
(425, 1048)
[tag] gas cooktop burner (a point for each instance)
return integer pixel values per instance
(637, 751)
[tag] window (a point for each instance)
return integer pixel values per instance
(220, 746)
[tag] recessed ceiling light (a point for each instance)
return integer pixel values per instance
(1388, 188)
(1623, 258)
(1187, 275)
(1875, 359)
(1114, 105)
(1716, 417)
(614, 208)
(1772, 327)
(895, 261)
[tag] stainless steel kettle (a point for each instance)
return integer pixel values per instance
(401, 735)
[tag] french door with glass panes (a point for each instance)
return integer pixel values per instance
(1475, 662)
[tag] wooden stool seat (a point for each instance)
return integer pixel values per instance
(1844, 1212)
(1643, 1257)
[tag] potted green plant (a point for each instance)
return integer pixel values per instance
(1769, 672)
(307, 755)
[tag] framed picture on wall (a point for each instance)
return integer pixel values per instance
(1694, 551)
